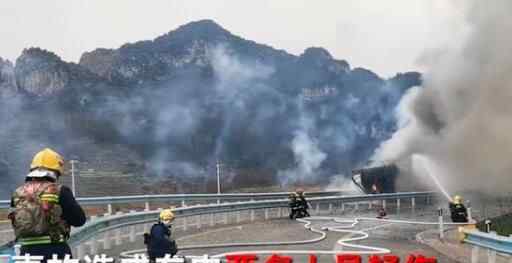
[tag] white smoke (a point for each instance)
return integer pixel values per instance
(307, 154)
(461, 119)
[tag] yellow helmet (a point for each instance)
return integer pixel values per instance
(48, 159)
(457, 199)
(166, 216)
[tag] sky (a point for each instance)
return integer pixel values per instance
(384, 36)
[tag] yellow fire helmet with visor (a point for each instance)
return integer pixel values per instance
(166, 216)
(48, 159)
(457, 199)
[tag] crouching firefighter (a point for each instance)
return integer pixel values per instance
(458, 212)
(43, 211)
(293, 203)
(159, 241)
(303, 203)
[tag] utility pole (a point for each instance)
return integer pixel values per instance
(73, 184)
(218, 176)
(218, 181)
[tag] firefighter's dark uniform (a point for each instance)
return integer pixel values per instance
(458, 213)
(73, 214)
(303, 205)
(160, 242)
(294, 206)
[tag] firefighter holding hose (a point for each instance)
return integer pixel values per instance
(458, 212)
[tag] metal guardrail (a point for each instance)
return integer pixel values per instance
(183, 198)
(491, 241)
(99, 225)
(94, 227)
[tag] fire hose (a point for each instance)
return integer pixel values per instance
(322, 231)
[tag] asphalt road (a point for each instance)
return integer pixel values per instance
(398, 238)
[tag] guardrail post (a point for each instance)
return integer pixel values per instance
(109, 209)
(132, 234)
(252, 215)
(198, 221)
(183, 204)
(79, 251)
(92, 245)
(146, 206)
(356, 206)
(470, 214)
(491, 256)
(398, 203)
(413, 202)
(488, 225)
(441, 223)
(17, 249)
(317, 209)
(475, 254)
(370, 204)
(330, 208)
(184, 222)
(212, 219)
(119, 241)
(106, 241)
(279, 212)
(266, 213)
(343, 207)
(384, 203)
(238, 216)
(145, 228)
(226, 218)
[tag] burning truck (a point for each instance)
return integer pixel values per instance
(386, 179)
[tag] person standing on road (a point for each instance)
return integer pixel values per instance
(159, 241)
(43, 211)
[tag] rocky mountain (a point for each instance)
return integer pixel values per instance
(173, 106)
(7, 79)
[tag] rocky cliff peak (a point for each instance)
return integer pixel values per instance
(155, 59)
(316, 53)
(42, 73)
(202, 29)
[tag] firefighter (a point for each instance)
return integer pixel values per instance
(303, 203)
(159, 241)
(43, 211)
(458, 211)
(294, 205)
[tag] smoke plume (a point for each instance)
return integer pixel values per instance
(461, 119)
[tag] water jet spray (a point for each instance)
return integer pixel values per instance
(426, 165)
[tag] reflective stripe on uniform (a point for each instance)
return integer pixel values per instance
(37, 240)
(50, 198)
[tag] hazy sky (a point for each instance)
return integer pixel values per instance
(385, 36)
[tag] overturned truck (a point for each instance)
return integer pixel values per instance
(386, 179)
(375, 180)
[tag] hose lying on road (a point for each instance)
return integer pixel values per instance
(345, 227)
